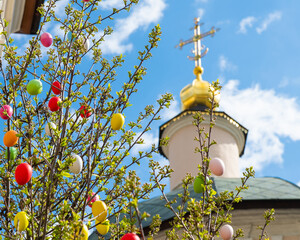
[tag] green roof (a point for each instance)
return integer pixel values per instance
(263, 189)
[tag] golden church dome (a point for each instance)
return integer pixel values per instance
(197, 93)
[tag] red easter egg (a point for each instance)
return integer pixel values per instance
(46, 39)
(96, 198)
(85, 112)
(53, 104)
(56, 87)
(23, 173)
(6, 112)
(130, 236)
(86, 0)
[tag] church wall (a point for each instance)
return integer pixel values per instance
(183, 158)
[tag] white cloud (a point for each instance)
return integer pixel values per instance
(201, 1)
(109, 4)
(298, 184)
(60, 7)
(142, 15)
(284, 82)
(226, 65)
(268, 20)
(172, 111)
(200, 13)
(149, 139)
(245, 23)
(268, 116)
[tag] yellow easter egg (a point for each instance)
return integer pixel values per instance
(21, 221)
(99, 210)
(117, 121)
(84, 233)
(103, 227)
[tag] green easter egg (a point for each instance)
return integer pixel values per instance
(199, 184)
(12, 153)
(34, 87)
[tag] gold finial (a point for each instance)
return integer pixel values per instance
(199, 91)
(197, 46)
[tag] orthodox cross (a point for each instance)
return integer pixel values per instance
(197, 42)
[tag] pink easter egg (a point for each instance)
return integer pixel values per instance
(6, 112)
(96, 198)
(217, 166)
(46, 39)
(226, 232)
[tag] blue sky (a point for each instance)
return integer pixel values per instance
(255, 55)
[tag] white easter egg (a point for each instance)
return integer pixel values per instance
(48, 130)
(226, 232)
(76, 166)
(217, 166)
(87, 45)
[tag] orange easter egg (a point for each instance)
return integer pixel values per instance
(10, 138)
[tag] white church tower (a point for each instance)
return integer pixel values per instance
(228, 133)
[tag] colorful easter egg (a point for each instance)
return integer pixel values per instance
(95, 198)
(84, 233)
(21, 221)
(226, 232)
(199, 184)
(48, 129)
(130, 236)
(103, 227)
(87, 44)
(85, 112)
(69, 36)
(117, 121)
(56, 87)
(23, 173)
(34, 87)
(12, 153)
(76, 166)
(53, 104)
(217, 166)
(10, 138)
(99, 210)
(46, 39)
(6, 112)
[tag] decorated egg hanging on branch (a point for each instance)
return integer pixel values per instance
(21, 221)
(103, 227)
(46, 39)
(130, 236)
(76, 166)
(6, 112)
(117, 121)
(95, 198)
(10, 138)
(199, 184)
(226, 232)
(23, 173)
(53, 104)
(48, 129)
(83, 233)
(85, 111)
(216, 166)
(34, 87)
(56, 87)
(12, 153)
(99, 210)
